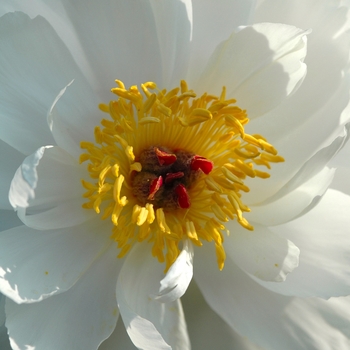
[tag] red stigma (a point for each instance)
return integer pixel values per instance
(170, 177)
(165, 158)
(183, 197)
(155, 186)
(202, 163)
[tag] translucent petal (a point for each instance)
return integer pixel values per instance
(149, 323)
(80, 318)
(37, 264)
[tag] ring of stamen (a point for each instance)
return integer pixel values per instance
(168, 165)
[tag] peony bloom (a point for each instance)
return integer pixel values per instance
(159, 141)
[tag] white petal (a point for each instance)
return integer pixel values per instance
(37, 264)
(25, 180)
(80, 318)
(10, 159)
(310, 180)
(207, 329)
(175, 283)
(289, 206)
(323, 236)
(173, 21)
(262, 253)
(118, 340)
(47, 188)
(4, 339)
(9, 219)
(2, 309)
(73, 116)
(259, 67)
(321, 99)
(270, 320)
(206, 31)
(150, 324)
(342, 175)
(34, 66)
(150, 33)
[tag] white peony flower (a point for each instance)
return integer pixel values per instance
(184, 185)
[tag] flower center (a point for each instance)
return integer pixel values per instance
(169, 166)
(166, 175)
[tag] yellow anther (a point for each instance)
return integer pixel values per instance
(161, 221)
(245, 168)
(149, 103)
(146, 120)
(184, 87)
(103, 107)
(230, 175)
(235, 123)
(164, 110)
(219, 213)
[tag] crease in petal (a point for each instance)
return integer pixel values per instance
(150, 324)
(174, 39)
(177, 279)
(262, 253)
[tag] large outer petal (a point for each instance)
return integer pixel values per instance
(207, 330)
(80, 318)
(37, 264)
(313, 117)
(260, 65)
(131, 40)
(270, 320)
(151, 325)
(323, 236)
(34, 66)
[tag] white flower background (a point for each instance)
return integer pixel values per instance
(296, 92)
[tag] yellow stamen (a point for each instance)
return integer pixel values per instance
(207, 126)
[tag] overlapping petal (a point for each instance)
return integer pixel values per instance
(262, 253)
(268, 319)
(174, 285)
(71, 263)
(41, 193)
(12, 158)
(324, 263)
(212, 25)
(37, 264)
(320, 101)
(80, 318)
(149, 323)
(29, 86)
(258, 67)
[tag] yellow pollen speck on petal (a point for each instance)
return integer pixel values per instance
(170, 165)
